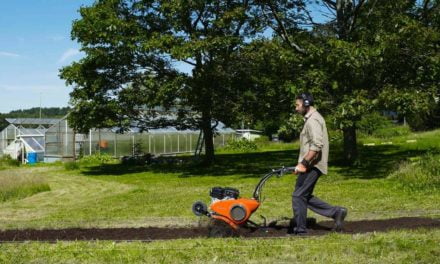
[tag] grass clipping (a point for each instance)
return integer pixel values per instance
(422, 173)
(18, 184)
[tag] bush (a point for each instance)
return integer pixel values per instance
(372, 122)
(241, 145)
(7, 161)
(262, 140)
(96, 159)
(71, 165)
(420, 174)
(291, 129)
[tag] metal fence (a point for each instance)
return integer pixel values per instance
(62, 142)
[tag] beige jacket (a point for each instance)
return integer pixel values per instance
(314, 137)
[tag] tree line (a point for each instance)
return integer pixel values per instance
(46, 112)
(248, 60)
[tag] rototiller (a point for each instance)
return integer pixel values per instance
(229, 212)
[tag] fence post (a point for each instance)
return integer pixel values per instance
(65, 143)
(178, 143)
(132, 145)
(116, 140)
(90, 142)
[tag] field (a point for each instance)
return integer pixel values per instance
(379, 190)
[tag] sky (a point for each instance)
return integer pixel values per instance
(35, 43)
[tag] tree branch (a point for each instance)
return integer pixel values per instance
(330, 3)
(283, 32)
(355, 15)
(189, 62)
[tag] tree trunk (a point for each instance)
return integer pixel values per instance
(208, 138)
(350, 146)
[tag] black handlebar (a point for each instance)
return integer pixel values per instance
(278, 172)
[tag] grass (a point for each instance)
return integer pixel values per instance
(419, 246)
(6, 163)
(17, 184)
(113, 195)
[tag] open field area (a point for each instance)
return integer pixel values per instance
(392, 217)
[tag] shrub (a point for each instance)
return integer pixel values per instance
(71, 165)
(421, 174)
(241, 145)
(7, 161)
(372, 122)
(262, 140)
(291, 129)
(96, 159)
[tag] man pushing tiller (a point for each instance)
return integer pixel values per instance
(312, 163)
(229, 212)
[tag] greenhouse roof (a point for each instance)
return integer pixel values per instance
(32, 121)
(221, 128)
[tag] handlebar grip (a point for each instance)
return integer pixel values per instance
(289, 169)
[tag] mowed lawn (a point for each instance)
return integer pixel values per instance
(112, 195)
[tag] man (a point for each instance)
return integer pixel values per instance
(312, 163)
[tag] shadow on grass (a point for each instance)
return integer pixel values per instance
(244, 164)
(373, 162)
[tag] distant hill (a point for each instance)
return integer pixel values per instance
(50, 112)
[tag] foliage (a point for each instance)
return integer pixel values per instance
(129, 71)
(95, 159)
(422, 174)
(291, 129)
(6, 162)
(372, 122)
(241, 145)
(71, 165)
(392, 131)
(368, 55)
(46, 112)
(262, 140)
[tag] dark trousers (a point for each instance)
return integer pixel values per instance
(303, 198)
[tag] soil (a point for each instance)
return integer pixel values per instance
(155, 233)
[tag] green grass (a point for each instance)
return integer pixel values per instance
(7, 163)
(113, 195)
(419, 246)
(17, 184)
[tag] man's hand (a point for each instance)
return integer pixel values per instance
(300, 168)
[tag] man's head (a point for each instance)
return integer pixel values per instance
(303, 103)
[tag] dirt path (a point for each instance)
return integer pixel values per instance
(155, 233)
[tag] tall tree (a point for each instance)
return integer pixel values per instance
(132, 47)
(367, 53)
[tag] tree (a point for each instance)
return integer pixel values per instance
(129, 70)
(370, 53)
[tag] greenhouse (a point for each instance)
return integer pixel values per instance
(24, 138)
(63, 144)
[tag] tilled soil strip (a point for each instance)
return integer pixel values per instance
(155, 233)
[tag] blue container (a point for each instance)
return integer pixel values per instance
(32, 157)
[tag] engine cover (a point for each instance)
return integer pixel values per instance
(221, 193)
(234, 211)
